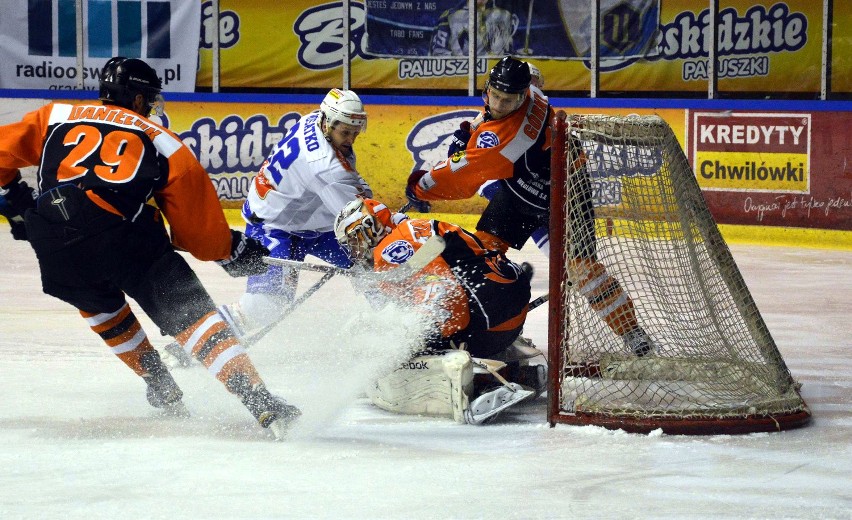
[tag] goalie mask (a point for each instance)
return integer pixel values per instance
(361, 225)
(343, 106)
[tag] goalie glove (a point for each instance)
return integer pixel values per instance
(246, 256)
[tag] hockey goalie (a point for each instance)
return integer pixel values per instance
(472, 362)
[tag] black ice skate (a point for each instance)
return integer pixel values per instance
(162, 391)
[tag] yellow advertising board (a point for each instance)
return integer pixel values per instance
(230, 140)
(764, 46)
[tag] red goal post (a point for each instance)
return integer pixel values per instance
(715, 368)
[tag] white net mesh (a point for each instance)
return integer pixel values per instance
(649, 255)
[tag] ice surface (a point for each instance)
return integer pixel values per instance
(78, 439)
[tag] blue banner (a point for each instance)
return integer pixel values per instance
(534, 28)
(40, 41)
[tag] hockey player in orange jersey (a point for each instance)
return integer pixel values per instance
(512, 145)
(475, 299)
(98, 239)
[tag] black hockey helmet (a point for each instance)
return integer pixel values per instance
(123, 78)
(510, 75)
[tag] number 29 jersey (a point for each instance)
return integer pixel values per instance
(122, 160)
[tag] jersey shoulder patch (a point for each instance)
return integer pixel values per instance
(487, 139)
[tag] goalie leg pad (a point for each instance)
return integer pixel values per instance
(435, 384)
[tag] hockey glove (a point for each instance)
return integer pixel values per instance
(415, 203)
(19, 229)
(458, 141)
(246, 256)
(19, 195)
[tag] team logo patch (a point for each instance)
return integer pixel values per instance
(487, 140)
(398, 252)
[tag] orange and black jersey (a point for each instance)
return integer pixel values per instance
(514, 149)
(459, 277)
(122, 160)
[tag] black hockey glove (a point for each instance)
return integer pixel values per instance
(19, 195)
(458, 141)
(246, 256)
(415, 203)
(19, 229)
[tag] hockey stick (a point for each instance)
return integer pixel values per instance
(304, 266)
(184, 360)
(250, 339)
(538, 301)
(429, 251)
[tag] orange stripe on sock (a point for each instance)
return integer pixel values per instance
(187, 333)
(239, 365)
(131, 359)
(110, 323)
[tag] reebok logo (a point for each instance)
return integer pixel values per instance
(415, 365)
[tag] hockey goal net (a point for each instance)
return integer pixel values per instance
(627, 213)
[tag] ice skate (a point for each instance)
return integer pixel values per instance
(639, 343)
(174, 356)
(271, 411)
(162, 391)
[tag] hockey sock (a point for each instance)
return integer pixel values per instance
(211, 341)
(608, 299)
(123, 333)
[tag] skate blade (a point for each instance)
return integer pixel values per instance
(177, 409)
(280, 427)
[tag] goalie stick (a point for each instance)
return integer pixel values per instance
(429, 251)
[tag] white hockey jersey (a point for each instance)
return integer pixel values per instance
(304, 183)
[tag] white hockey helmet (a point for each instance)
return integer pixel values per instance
(361, 225)
(343, 106)
(536, 77)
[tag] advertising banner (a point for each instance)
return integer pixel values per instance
(764, 46)
(771, 169)
(38, 41)
(542, 28)
(778, 169)
(231, 141)
(648, 46)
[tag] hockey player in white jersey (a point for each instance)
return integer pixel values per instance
(305, 181)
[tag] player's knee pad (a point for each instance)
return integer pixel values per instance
(436, 384)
